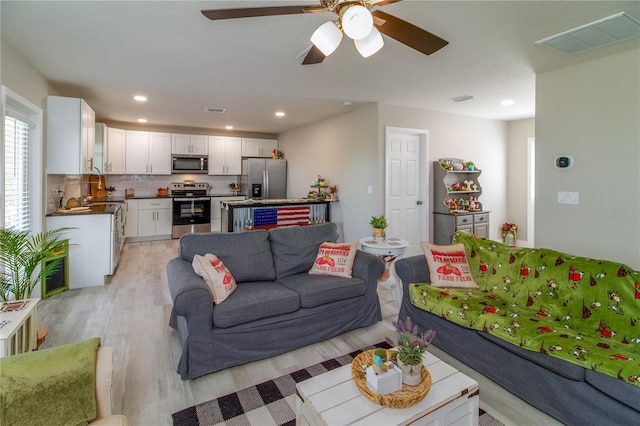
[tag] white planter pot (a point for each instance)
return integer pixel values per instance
(411, 374)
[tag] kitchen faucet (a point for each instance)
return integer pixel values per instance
(99, 178)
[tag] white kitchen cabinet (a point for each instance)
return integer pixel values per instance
(147, 153)
(114, 152)
(189, 144)
(154, 217)
(216, 213)
(90, 246)
(252, 147)
(131, 223)
(70, 136)
(225, 156)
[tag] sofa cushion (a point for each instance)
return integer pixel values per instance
(448, 266)
(316, 290)
(253, 301)
(295, 247)
(335, 259)
(558, 366)
(612, 386)
(246, 254)
(217, 276)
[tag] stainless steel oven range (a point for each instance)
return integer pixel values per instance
(191, 208)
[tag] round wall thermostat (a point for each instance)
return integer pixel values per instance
(564, 161)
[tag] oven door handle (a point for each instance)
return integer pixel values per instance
(193, 199)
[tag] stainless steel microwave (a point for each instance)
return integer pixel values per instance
(190, 164)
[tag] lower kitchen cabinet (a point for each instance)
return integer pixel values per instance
(91, 241)
(154, 217)
(131, 224)
(445, 225)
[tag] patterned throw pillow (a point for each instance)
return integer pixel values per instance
(335, 259)
(448, 266)
(216, 275)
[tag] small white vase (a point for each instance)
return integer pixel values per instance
(411, 374)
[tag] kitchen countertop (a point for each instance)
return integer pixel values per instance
(92, 209)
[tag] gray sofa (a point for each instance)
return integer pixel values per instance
(277, 306)
(570, 393)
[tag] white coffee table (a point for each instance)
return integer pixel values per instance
(333, 398)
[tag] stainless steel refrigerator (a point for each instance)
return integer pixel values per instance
(264, 178)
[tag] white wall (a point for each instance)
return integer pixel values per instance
(349, 151)
(21, 77)
(344, 150)
(590, 111)
(472, 139)
(519, 132)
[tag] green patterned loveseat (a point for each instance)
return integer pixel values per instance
(560, 331)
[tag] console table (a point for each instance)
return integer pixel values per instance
(18, 328)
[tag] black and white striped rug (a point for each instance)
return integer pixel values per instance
(270, 403)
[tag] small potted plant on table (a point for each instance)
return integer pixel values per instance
(379, 224)
(411, 346)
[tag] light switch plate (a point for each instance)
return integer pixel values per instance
(568, 198)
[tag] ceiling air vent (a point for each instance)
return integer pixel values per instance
(215, 109)
(461, 98)
(614, 28)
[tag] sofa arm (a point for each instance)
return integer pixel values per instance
(413, 269)
(191, 297)
(368, 267)
(104, 372)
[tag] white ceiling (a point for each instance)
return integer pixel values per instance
(107, 51)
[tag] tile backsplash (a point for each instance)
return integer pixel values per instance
(143, 185)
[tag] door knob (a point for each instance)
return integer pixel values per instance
(419, 202)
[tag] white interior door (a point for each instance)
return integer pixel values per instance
(406, 200)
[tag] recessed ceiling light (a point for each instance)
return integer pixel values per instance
(347, 103)
(507, 102)
(142, 120)
(228, 127)
(280, 114)
(140, 98)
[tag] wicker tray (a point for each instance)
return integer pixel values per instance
(405, 397)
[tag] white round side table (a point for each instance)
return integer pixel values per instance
(388, 251)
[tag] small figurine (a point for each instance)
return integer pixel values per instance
(473, 203)
(467, 185)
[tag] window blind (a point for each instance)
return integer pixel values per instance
(16, 173)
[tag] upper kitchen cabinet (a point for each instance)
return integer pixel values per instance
(258, 147)
(109, 150)
(70, 136)
(189, 144)
(225, 156)
(147, 153)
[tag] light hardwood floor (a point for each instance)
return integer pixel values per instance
(131, 313)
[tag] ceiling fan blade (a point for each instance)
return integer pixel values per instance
(314, 56)
(406, 33)
(252, 12)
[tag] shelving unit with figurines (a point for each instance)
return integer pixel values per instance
(456, 205)
(456, 186)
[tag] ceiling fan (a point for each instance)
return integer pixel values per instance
(355, 19)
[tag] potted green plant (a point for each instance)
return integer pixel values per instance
(379, 224)
(410, 347)
(20, 256)
(233, 187)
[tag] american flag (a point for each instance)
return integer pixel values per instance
(283, 215)
(292, 215)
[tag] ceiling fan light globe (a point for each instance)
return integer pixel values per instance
(327, 38)
(370, 44)
(357, 22)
